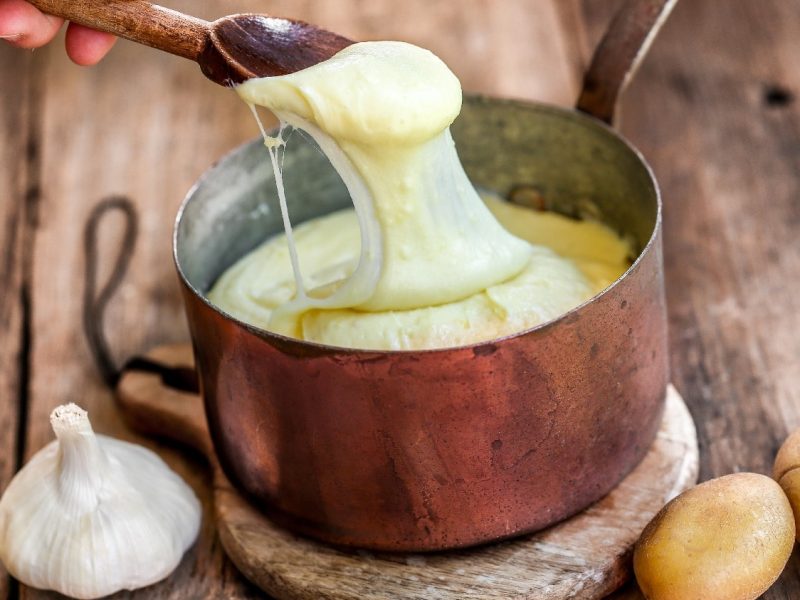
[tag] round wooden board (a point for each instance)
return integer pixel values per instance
(584, 557)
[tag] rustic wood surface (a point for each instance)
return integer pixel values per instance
(713, 108)
(15, 120)
(583, 558)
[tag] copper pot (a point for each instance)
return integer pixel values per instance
(427, 450)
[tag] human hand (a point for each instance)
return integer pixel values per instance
(25, 26)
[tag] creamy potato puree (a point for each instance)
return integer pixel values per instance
(421, 262)
(571, 261)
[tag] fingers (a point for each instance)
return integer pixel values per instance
(86, 46)
(25, 26)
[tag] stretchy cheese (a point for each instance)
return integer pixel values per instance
(421, 262)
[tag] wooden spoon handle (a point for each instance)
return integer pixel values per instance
(619, 53)
(135, 20)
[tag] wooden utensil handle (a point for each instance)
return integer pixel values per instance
(135, 20)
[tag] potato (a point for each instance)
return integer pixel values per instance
(726, 539)
(787, 473)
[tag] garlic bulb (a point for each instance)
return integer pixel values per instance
(90, 515)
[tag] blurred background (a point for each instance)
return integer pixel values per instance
(713, 109)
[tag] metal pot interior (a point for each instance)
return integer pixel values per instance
(578, 165)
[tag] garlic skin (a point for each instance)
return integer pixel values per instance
(90, 515)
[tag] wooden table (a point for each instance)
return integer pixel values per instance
(713, 109)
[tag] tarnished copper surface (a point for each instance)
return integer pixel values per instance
(439, 449)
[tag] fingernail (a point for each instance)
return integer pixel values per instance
(10, 36)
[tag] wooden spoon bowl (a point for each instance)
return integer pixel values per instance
(240, 47)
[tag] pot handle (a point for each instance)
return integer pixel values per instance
(95, 303)
(619, 54)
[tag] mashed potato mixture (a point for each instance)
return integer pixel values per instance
(422, 261)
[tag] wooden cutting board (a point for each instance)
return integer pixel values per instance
(584, 557)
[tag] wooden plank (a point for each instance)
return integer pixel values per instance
(714, 111)
(18, 187)
(145, 126)
(726, 270)
(709, 115)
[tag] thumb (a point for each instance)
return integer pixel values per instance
(25, 26)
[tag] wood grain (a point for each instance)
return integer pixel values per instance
(721, 129)
(103, 134)
(713, 108)
(145, 125)
(582, 558)
(19, 189)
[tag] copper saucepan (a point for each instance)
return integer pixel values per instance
(427, 450)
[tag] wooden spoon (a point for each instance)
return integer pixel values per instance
(229, 50)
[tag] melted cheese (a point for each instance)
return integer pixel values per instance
(571, 261)
(421, 262)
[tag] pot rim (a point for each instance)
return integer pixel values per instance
(554, 110)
